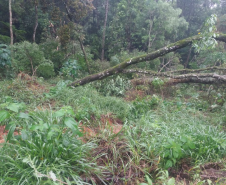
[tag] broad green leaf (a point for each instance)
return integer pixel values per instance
(72, 124)
(191, 145)
(10, 133)
(168, 146)
(68, 182)
(15, 107)
(24, 135)
(149, 180)
(35, 127)
(7, 127)
(4, 115)
(170, 141)
(59, 113)
(175, 154)
(39, 127)
(169, 163)
(209, 182)
(166, 153)
(23, 115)
(183, 139)
(174, 160)
(171, 181)
(50, 134)
(64, 111)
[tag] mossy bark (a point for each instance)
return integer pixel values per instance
(204, 78)
(148, 57)
(174, 73)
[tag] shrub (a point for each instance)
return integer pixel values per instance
(97, 66)
(70, 68)
(49, 48)
(5, 58)
(46, 69)
(116, 86)
(142, 106)
(28, 57)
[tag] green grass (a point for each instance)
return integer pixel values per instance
(174, 135)
(48, 144)
(157, 134)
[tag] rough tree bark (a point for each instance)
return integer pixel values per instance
(192, 77)
(104, 30)
(203, 78)
(147, 57)
(10, 22)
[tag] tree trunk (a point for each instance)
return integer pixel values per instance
(84, 53)
(206, 78)
(149, 33)
(147, 57)
(104, 31)
(188, 58)
(36, 20)
(10, 22)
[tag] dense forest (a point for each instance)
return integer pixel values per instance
(121, 92)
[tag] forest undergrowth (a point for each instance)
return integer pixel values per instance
(143, 135)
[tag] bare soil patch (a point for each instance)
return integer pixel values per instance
(107, 121)
(210, 171)
(4, 133)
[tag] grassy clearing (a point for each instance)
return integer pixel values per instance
(163, 141)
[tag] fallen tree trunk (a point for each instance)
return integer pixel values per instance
(173, 73)
(150, 56)
(204, 78)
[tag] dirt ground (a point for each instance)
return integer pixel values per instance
(3, 133)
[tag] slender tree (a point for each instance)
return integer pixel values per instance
(36, 19)
(10, 22)
(104, 30)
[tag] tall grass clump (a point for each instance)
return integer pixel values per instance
(47, 151)
(170, 134)
(86, 101)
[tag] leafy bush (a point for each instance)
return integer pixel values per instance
(114, 60)
(5, 57)
(4, 39)
(97, 66)
(142, 106)
(157, 83)
(113, 86)
(70, 68)
(49, 48)
(46, 69)
(28, 57)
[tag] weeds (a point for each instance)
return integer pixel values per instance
(48, 144)
(158, 136)
(174, 136)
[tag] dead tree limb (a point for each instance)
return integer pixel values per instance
(203, 78)
(147, 57)
(173, 73)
